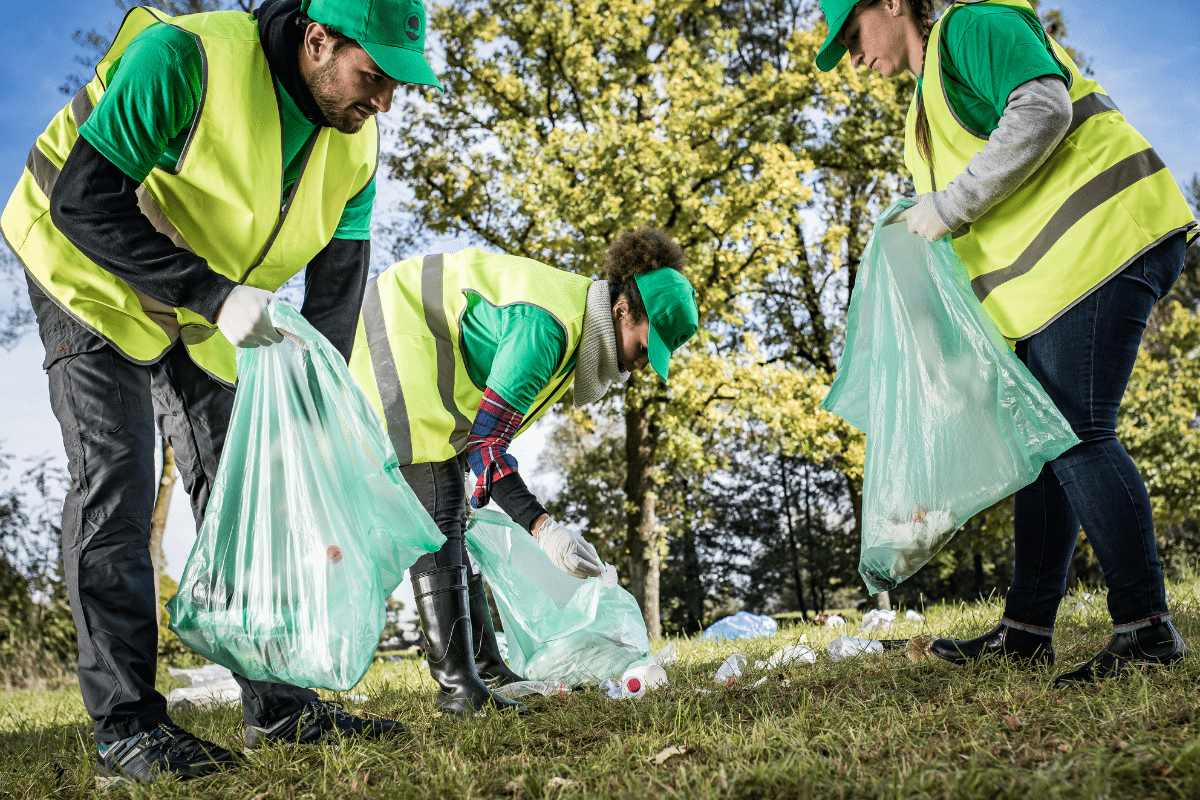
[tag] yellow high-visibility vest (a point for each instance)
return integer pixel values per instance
(221, 200)
(1100, 200)
(408, 350)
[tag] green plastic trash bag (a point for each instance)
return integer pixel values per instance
(557, 627)
(309, 526)
(954, 421)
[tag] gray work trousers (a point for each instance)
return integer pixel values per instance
(107, 407)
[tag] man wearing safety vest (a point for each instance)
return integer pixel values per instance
(212, 158)
(460, 353)
(1071, 228)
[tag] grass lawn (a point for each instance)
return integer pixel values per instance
(874, 726)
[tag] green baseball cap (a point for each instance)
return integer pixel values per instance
(670, 303)
(391, 31)
(836, 12)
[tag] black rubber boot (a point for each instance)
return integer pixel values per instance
(1003, 641)
(489, 664)
(444, 607)
(1153, 646)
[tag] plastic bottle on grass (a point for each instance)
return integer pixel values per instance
(640, 679)
(731, 670)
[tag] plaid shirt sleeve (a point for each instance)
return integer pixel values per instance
(487, 445)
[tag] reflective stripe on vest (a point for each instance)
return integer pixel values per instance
(221, 200)
(1101, 199)
(408, 356)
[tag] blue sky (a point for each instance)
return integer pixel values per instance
(1148, 61)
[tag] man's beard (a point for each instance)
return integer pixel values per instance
(324, 92)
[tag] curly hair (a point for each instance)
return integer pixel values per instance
(635, 253)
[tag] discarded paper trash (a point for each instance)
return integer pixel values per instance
(877, 620)
(848, 647)
(742, 625)
(913, 616)
(834, 620)
(918, 648)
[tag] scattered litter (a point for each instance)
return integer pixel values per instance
(788, 655)
(1087, 596)
(704, 691)
(1014, 724)
(918, 648)
(638, 680)
(848, 647)
(613, 689)
(1078, 607)
(666, 656)
(667, 753)
(560, 782)
(742, 625)
(525, 688)
(913, 616)
(210, 685)
(878, 619)
(356, 698)
(759, 682)
(834, 620)
(731, 670)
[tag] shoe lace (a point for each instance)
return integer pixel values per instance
(182, 743)
(329, 713)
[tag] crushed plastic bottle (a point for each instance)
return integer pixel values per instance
(835, 621)
(913, 616)
(613, 689)
(877, 620)
(525, 688)
(848, 647)
(731, 670)
(797, 653)
(638, 680)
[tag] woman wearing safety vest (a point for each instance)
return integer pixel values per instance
(1071, 228)
(462, 352)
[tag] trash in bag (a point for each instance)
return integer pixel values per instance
(954, 421)
(557, 627)
(848, 647)
(742, 625)
(877, 619)
(309, 526)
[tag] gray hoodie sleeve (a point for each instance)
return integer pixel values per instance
(1035, 120)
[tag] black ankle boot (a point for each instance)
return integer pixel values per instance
(489, 664)
(1002, 641)
(1153, 646)
(445, 615)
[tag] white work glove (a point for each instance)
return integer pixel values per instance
(244, 320)
(569, 551)
(923, 219)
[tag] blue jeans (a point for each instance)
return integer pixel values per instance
(1083, 360)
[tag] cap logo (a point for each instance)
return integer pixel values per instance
(412, 27)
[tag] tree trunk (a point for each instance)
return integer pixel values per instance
(641, 540)
(793, 550)
(158, 520)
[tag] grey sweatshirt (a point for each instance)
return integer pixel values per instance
(1035, 120)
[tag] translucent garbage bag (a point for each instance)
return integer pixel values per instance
(557, 627)
(742, 625)
(954, 421)
(309, 526)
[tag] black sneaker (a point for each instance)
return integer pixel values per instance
(320, 721)
(167, 751)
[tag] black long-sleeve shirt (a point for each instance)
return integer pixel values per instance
(94, 204)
